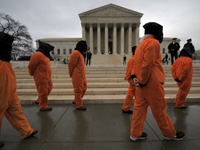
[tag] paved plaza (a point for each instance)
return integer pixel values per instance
(100, 127)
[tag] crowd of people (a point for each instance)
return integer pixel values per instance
(144, 73)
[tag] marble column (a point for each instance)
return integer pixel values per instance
(98, 38)
(83, 32)
(130, 38)
(122, 39)
(106, 38)
(137, 34)
(114, 38)
(91, 38)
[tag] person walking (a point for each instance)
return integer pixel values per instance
(40, 68)
(124, 60)
(173, 48)
(166, 59)
(131, 89)
(148, 76)
(77, 71)
(182, 71)
(89, 56)
(9, 101)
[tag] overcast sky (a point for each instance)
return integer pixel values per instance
(59, 18)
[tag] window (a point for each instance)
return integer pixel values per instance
(64, 51)
(70, 51)
(58, 51)
(52, 52)
(163, 50)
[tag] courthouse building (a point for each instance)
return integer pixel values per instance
(110, 32)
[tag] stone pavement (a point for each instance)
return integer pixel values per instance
(100, 127)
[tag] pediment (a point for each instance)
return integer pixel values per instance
(110, 10)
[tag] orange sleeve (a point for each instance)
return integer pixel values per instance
(72, 63)
(152, 48)
(128, 69)
(186, 69)
(34, 61)
(173, 71)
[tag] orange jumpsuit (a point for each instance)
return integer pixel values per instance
(183, 70)
(149, 71)
(131, 89)
(76, 69)
(10, 103)
(40, 68)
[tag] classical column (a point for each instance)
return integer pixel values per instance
(91, 38)
(98, 38)
(83, 31)
(130, 38)
(137, 34)
(106, 38)
(114, 38)
(122, 38)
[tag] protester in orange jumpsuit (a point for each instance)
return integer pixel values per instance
(9, 102)
(149, 78)
(182, 71)
(40, 68)
(131, 89)
(76, 69)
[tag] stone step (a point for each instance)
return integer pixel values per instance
(91, 80)
(96, 99)
(109, 84)
(99, 91)
(93, 76)
(105, 85)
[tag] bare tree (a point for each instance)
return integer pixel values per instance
(22, 38)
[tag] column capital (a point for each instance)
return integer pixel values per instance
(130, 24)
(83, 24)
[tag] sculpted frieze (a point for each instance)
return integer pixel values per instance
(110, 12)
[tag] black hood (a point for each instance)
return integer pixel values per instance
(81, 46)
(186, 52)
(133, 50)
(45, 48)
(5, 46)
(154, 29)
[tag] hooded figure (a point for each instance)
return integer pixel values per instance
(9, 102)
(182, 71)
(131, 89)
(40, 68)
(76, 69)
(148, 75)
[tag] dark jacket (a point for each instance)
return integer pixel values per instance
(89, 55)
(191, 47)
(173, 47)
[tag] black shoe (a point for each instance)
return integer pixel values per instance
(46, 109)
(32, 134)
(184, 107)
(1, 144)
(81, 108)
(73, 103)
(37, 103)
(179, 136)
(127, 112)
(141, 137)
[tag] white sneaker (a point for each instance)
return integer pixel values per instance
(141, 137)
